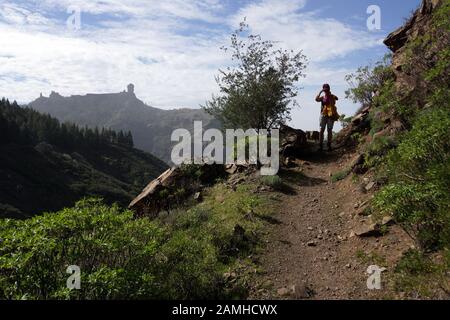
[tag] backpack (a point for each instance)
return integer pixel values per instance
(331, 111)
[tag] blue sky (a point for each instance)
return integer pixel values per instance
(170, 49)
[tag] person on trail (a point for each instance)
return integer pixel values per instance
(328, 114)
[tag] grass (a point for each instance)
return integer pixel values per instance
(371, 258)
(355, 178)
(236, 208)
(218, 221)
(274, 182)
(417, 275)
(341, 175)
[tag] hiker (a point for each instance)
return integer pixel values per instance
(328, 114)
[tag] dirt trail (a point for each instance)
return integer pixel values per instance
(311, 245)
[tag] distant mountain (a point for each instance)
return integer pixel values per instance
(45, 165)
(151, 127)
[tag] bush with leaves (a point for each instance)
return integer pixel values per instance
(257, 90)
(414, 166)
(418, 193)
(120, 257)
(123, 257)
(368, 80)
(418, 170)
(272, 181)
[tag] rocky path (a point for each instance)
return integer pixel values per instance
(312, 251)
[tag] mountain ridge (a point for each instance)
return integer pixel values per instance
(151, 127)
(46, 165)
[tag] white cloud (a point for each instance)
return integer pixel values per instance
(151, 48)
(17, 15)
(320, 38)
(187, 9)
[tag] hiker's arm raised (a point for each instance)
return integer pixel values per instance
(319, 98)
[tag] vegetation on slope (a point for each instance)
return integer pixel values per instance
(124, 111)
(414, 165)
(45, 165)
(193, 253)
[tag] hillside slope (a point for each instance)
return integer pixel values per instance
(323, 228)
(383, 198)
(151, 127)
(45, 166)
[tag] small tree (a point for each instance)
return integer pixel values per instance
(368, 80)
(258, 90)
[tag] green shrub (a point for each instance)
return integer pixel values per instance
(413, 262)
(191, 170)
(418, 275)
(120, 257)
(357, 137)
(376, 124)
(414, 165)
(243, 144)
(380, 145)
(341, 175)
(274, 182)
(377, 149)
(419, 180)
(370, 257)
(390, 101)
(368, 80)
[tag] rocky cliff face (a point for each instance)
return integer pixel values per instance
(151, 127)
(416, 32)
(415, 53)
(413, 27)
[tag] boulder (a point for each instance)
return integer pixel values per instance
(198, 196)
(315, 135)
(308, 135)
(407, 69)
(298, 291)
(302, 291)
(357, 119)
(283, 292)
(360, 124)
(398, 38)
(173, 185)
(373, 228)
(357, 160)
(231, 168)
(368, 230)
(292, 141)
(370, 186)
(44, 148)
(387, 220)
(312, 135)
(148, 202)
